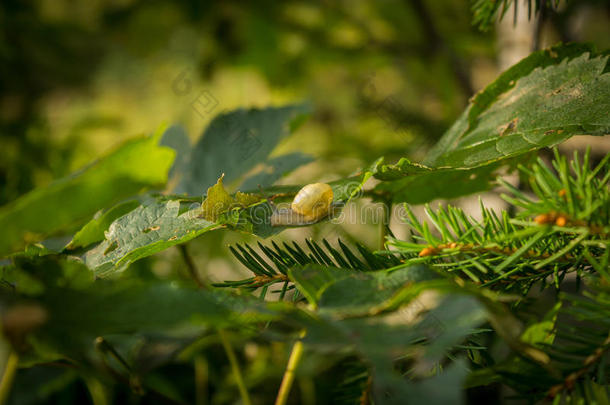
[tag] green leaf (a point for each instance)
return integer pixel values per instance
(144, 231)
(176, 138)
(234, 143)
(313, 280)
(273, 170)
(542, 108)
(77, 317)
(30, 276)
(507, 80)
(93, 231)
(75, 308)
(37, 385)
(157, 226)
(71, 310)
(542, 332)
(436, 183)
(457, 315)
(349, 292)
(444, 388)
(217, 201)
(543, 100)
(381, 342)
(404, 167)
(136, 165)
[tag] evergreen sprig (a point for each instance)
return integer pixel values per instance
(583, 342)
(572, 194)
(271, 265)
(485, 11)
(575, 338)
(564, 229)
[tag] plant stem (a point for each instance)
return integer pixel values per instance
(308, 391)
(8, 376)
(104, 346)
(201, 380)
(385, 223)
(201, 366)
(235, 367)
(99, 395)
(288, 379)
(190, 265)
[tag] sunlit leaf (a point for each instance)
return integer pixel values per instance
(93, 231)
(541, 101)
(144, 231)
(134, 166)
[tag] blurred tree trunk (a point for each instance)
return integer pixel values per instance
(516, 35)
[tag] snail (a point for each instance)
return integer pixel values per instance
(312, 203)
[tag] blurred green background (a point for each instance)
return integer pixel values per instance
(383, 78)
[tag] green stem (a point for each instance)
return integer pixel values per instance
(308, 391)
(103, 345)
(8, 376)
(289, 374)
(201, 380)
(235, 367)
(190, 265)
(385, 223)
(99, 395)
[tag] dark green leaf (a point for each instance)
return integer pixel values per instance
(274, 169)
(351, 292)
(234, 143)
(439, 183)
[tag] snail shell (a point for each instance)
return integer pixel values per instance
(312, 202)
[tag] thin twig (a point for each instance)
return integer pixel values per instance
(104, 346)
(201, 380)
(235, 367)
(288, 379)
(260, 281)
(190, 265)
(532, 254)
(8, 376)
(438, 44)
(569, 381)
(385, 223)
(366, 394)
(145, 392)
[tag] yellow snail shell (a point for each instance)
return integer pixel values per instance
(312, 202)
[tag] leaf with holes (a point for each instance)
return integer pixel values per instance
(144, 231)
(541, 101)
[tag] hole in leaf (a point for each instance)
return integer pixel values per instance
(111, 248)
